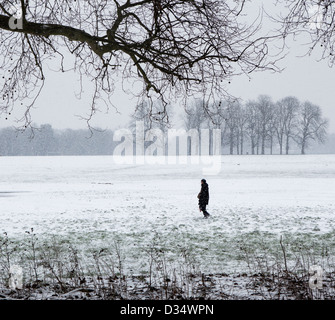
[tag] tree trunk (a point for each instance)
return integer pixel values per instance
(263, 145)
(252, 145)
(231, 142)
(280, 142)
(303, 145)
(287, 144)
(257, 145)
(303, 148)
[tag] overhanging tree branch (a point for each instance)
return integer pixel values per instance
(173, 46)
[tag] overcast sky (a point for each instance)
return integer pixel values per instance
(303, 77)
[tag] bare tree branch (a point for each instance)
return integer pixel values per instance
(174, 47)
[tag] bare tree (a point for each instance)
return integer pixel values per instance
(147, 116)
(263, 122)
(291, 110)
(311, 126)
(149, 113)
(286, 117)
(315, 18)
(195, 115)
(217, 121)
(252, 120)
(279, 117)
(231, 121)
(171, 46)
(272, 129)
(265, 110)
(241, 121)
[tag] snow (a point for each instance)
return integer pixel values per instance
(93, 202)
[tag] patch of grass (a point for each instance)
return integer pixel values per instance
(273, 270)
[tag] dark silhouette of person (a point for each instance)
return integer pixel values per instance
(203, 197)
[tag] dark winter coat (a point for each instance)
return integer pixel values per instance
(204, 194)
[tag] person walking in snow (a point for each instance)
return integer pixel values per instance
(203, 197)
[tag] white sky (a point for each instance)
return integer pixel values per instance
(303, 77)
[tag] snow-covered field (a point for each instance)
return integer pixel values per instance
(92, 202)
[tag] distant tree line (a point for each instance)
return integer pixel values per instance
(261, 125)
(255, 127)
(46, 141)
